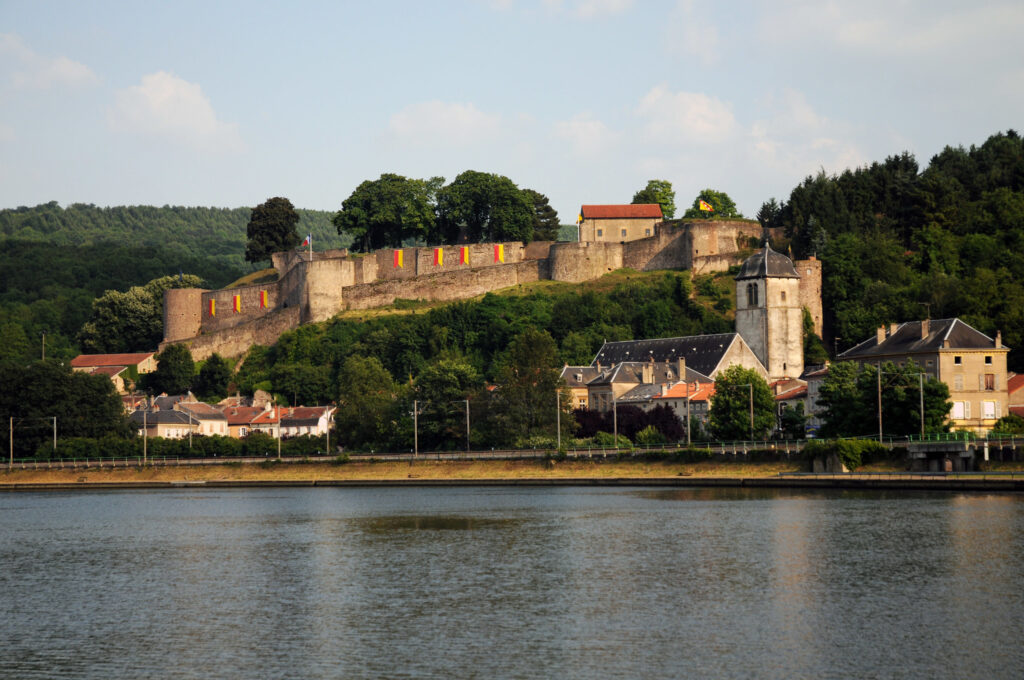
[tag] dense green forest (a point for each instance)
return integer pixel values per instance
(899, 244)
(54, 261)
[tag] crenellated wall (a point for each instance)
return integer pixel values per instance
(315, 290)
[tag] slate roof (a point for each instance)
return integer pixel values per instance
(578, 376)
(907, 340)
(639, 393)
(767, 263)
(87, 360)
(630, 211)
(703, 353)
(201, 411)
(160, 417)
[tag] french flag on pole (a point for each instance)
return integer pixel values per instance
(309, 240)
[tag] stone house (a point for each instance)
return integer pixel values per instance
(210, 419)
(618, 223)
(576, 378)
(972, 365)
(166, 424)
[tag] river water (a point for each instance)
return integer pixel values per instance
(485, 582)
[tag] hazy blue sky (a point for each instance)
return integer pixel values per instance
(229, 103)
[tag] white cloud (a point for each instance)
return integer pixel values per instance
(586, 135)
(164, 105)
(882, 27)
(690, 32)
(794, 140)
(28, 70)
(686, 117)
(589, 9)
(444, 123)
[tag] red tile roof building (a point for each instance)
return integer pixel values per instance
(617, 223)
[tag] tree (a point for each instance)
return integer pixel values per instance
(131, 321)
(658, 191)
(793, 422)
(301, 383)
(729, 416)
(389, 211)
(719, 200)
(174, 372)
(814, 350)
(527, 387)
(770, 214)
(440, 389)
(850, 393)
(545, 218)
(85, 405)
(214, 375)
(1009, 424)
(271, 229)
(366, 395)
(484, 207)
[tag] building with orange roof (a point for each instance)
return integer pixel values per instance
(617, 223)
(122, 369)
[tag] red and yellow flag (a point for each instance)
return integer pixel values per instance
(438, 257)
(213, 307)
(464, 255)
(263, 299)
(398, 259)
(499, 252)
(706, 207)
(237, 303)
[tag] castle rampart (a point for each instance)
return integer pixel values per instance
(315, 290)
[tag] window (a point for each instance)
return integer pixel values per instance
(990, 382)
(751, 295)
(957, 361)
(600, 232)
(647, 232)
(958, 410)
(988, 409)
(623, 233)
(929, 362)
(958, 382)
(988, 361)
(242, 431)
(783, 296)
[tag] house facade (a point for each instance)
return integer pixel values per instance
(618, 223)
(972, 364)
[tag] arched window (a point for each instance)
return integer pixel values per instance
(751, 295)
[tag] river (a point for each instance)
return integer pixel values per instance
(494, 582)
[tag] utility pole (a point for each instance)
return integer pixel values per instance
(879, 374)
(415, 428)
(10, 466)
(44, 346)
(688, 440)
(279, 429)
(558, 418)
(615, 418)
(751, 386)
(920, 387)
(145, 436)
(467, 424)
(55, 435)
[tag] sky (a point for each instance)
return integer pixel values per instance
(230, 103)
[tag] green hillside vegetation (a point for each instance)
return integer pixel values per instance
(55, 261)
(899, 244)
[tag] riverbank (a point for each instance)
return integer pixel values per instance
(507, 472)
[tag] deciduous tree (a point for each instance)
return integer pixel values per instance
(729, 416)
(174, 372)
(271, 229)
(658, 191)
(389, 211)
(719, 200)
(486, 207)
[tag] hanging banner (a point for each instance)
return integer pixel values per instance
(263, 299)
(438, 257)
(237, 303)
(464, 255)
(398, 259)
(213, 308)
(499, 252)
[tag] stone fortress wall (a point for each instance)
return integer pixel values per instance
(334, 281)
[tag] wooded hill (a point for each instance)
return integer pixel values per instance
(900, 244)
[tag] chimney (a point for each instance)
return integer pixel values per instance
(893, 327)
(647, 373)
(681, 367)
(925, 328)
(664, 389)
(880, 335)
(999, 338)
(598, 366)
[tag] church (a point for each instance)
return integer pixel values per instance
(771, 295)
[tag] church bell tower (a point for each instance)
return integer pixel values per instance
(769, 316)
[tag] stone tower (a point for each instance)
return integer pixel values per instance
(769, 315)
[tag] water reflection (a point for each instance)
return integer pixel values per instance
(491, 582)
